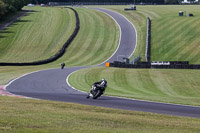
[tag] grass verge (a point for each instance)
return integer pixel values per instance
(170, 86)
(28, 115)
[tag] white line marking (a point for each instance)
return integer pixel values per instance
(67, 80)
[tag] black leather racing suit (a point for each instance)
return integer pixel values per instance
(101, 85)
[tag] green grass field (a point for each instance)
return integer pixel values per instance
(96, 41)
(36, 36)
(29, 115)
(171, 34)
(43, 32)
(171, 86)
(88, 48)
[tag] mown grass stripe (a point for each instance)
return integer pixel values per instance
(173, 40)
(93, 46)
(98, 44)
(86, 46)
(148, 13)
(168, 30)
(164, 88)
(109, 36)
(172, 86)
(148, 87)
(77, 43)
(37, 36)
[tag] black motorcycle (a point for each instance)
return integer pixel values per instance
(96, 92)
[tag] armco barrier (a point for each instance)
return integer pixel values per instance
(57, 55)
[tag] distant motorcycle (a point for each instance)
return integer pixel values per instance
(98, 88)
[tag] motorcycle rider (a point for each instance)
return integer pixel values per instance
(102, 84)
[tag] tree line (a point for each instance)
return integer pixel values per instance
(115, 1)
(11, 6)
(101, 1)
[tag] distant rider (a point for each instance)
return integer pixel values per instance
(62, 65)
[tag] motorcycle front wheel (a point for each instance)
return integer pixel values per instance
(98, 94)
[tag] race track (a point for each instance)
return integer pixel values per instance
(51, 84)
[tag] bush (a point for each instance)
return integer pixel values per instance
(11, 6)
(3, 9)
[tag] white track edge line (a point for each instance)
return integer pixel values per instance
(67, 80)
(21, 77)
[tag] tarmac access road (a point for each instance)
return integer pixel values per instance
(51, 84)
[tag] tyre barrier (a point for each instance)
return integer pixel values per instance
(148, 65)
(176, 66)
(148, 41)
(124, 65)
(57, 55)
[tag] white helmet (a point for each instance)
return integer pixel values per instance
(103, 79)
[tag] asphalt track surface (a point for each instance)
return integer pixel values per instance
(51, 84)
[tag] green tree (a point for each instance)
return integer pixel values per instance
(2, 9)
(11, 6)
